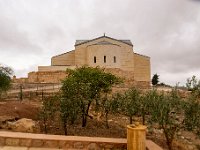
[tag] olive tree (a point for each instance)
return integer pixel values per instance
(166, 111)
(192, 113)
(110, 104)
(48, 110)
(5, 79)
(88, 84)
(131, 103)
(69, 102)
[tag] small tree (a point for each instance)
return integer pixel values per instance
(155, 79)
(110, 105)
(69, 102)
(193, 84)
(131, 103)
(5, 79)
(166, 111)
(47, 112)
(192, 113)
(88, 83)
(107, 108)
(144, 107)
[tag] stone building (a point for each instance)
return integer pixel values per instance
(116, 56)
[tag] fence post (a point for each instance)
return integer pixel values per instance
(136, 137)
(20, 93)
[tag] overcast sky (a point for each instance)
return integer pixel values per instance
(32, 31)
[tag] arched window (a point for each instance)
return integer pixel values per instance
(104, 59)
(115, 60)
(95, 59)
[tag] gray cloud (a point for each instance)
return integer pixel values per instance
(167, 31)
(14, 40)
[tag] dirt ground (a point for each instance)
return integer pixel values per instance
(29, 109)
(17, 109)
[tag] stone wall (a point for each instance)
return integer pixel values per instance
(20, 80)
(142, 70)
(66, 59)
(61, 142)
(100, 51)
(46, 77)
(17, 140)
(54, 68)
(58, 76)
(84, 54)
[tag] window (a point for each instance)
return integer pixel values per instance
(115, 59)
(104, 59)
(95, 59)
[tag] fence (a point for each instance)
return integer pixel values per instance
(30, 91)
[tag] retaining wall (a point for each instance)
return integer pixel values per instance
(57, 141)
(18, 139)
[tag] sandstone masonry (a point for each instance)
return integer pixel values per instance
(116, 56)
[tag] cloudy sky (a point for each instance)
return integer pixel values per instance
(32, 31)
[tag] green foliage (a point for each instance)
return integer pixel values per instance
(155, 79)
(70, 102)
(47, 112)
(5, 80)
(193, 84)
(131, 103)
(144, 107)
(192, 113)
(85, 85)
(166, 111)
(109, 105)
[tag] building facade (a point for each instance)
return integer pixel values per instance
(116, 56)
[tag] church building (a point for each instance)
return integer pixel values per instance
(116, 56)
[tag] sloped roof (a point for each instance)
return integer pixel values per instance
(63, 53)
(142, 55)
(80, 42)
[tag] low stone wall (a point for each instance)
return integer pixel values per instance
(20, 80)
(56, 141)
(46, 76)
(18, 139)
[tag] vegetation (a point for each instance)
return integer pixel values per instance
(131, 103)
(193, 84)
(155, 79)
(5, 79)
(48, 110)
(192, 113)
(83, 87)
(166, 111)
(87, 88)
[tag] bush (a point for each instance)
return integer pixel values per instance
(5, 79)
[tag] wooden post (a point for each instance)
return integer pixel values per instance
(136, 137)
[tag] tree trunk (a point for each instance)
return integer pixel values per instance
(169, 144)
(107, 125)
(131, 120)
(85, 114)
(143, 118)
(45, 126)
(65, 127)
(169, 139)
(84, 120)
